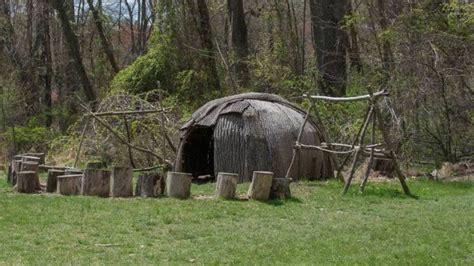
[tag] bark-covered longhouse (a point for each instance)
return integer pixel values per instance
(250, 132)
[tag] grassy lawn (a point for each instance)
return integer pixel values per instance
(317, 226)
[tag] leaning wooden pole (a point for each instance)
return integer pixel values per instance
(354, 142)
(78, 152)
(372, 152)
(348, 180)
(391, 154)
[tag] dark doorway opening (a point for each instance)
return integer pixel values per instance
(198, 154)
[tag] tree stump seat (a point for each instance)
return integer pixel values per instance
(69, 184)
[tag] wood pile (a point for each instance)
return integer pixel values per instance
(23, 173)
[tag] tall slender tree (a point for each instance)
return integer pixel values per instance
(330, 44)
(103, 39)
(73, 49)
(43, 48)
(200, 14)
(239, 40)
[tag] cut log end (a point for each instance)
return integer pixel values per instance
(95, 182)
(260, 186)
(280, 189)
(178, 185)
(226, 185)
(121, 182)
(52, 183)
(69, 184)
(26, 182)
(150, 185)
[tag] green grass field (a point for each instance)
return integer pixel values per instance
(317, 226)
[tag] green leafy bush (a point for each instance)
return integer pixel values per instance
(155, 69)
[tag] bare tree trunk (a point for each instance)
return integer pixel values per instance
(202, 21)
(353, 49)
(7, 28)
(29, 26)
(330, 42)
(239, 40)
(132, 31)
(105, 43)
(293, 35)
(74, 50)
(387, 55)
(143, 26)
(43, 40)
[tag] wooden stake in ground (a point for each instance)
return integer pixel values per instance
(280, 188)
(226, 185)
(52, 183)
(69, 184)
(95, 182)
(260, 186)
(178, 185)
(121, 182)
(150, 185)
(26, 182)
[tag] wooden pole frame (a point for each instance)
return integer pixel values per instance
(96, 116)
(372, 116)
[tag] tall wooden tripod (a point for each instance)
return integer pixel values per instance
(357, 147)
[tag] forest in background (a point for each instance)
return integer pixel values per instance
(56, 56)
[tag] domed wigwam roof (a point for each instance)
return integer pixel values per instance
(250, 132)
